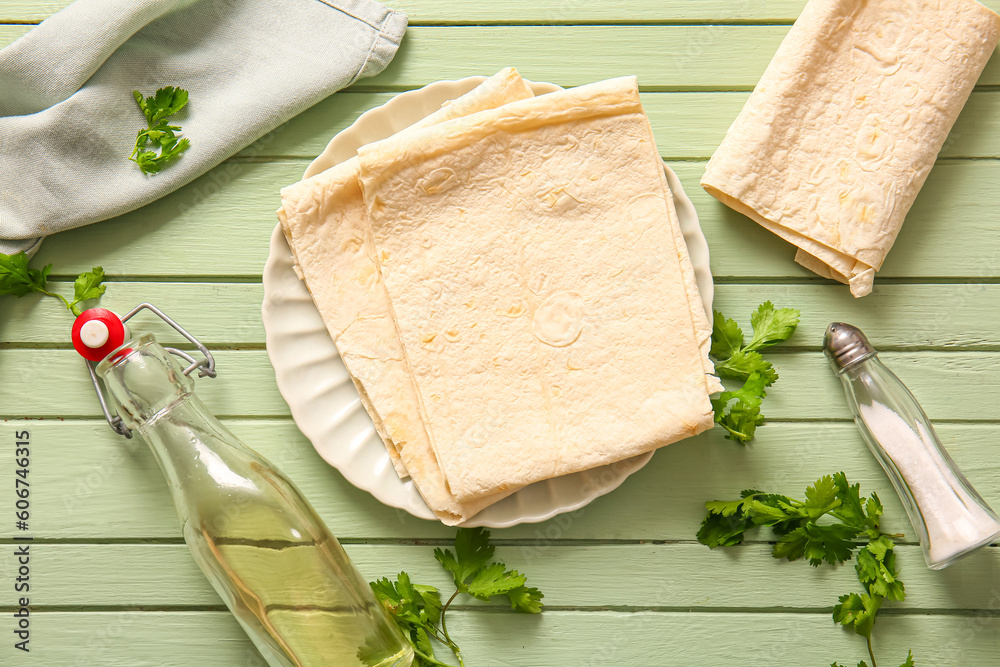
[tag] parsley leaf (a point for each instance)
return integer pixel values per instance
(494, 579)
(159, 135)
(743, 364)
(877, 569)
(857, 611)
(472, 551)
(727, 521)
(833, 544)
(418, 611)
(16, 279)
(88, 285)
(738, 411)
(772, 326)
(727, 337)
(821, 528)
(526, 599)
(743, 416)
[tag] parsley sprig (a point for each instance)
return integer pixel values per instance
(418, 610)
(821, 528)
(16, 279)
(159, 135)
(738, 411)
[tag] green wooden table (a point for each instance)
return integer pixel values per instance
(112, 582)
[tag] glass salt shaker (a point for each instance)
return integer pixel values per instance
(950, 518)
(259, 542)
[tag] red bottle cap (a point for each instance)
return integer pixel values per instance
(97, 332)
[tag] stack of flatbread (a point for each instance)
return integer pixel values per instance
(507, 284)
(840, 133)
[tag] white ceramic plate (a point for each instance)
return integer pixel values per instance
(320, 393)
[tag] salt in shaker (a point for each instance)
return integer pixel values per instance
(950, 518)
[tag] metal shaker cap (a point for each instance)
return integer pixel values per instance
(845, 345)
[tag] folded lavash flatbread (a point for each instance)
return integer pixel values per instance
(540, 287)
(325, 222)
(840, 133)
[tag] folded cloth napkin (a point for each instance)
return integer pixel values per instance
(840, 133)
(68, 121)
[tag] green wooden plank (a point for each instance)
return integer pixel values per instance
(220, 225)
(949, 232)
(9, 33)
(218, 314)
(523, 11)
(527, 11)
(587, 639)
(698, 57)
(686, 125)
(686, 57)
(52, 383)
(899, 316)
(88, 483)
(693, 576)
(675, 57)
(61, 386)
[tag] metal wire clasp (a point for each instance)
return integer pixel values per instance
(206, 366)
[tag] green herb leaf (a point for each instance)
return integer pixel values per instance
(526, 599)
(873, 511)
(494, 579)
(165, 102)
(772, 326)
(877, 570)
(821, 528)
(821, 498)
(857, 611)
(16, 279)
(727, 521)
(88, 285)
(727, 337)
(743, 405)
(405, 602)
(851, 510)
(830, 543)
(157, 108)
(743, 363)
(472, 551)
(724, 530)
(418, 611)
(738, 411)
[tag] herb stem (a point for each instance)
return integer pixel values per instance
(870, 653)
(427, 658)
(71, 307)
(444, 628)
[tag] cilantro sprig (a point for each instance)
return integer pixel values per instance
(738, 411)
(159, 135)
(821, 528)
(418, 610)
(17, 280)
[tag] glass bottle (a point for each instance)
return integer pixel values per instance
(950, 518)
(268, 555)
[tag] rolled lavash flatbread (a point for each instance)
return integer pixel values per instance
(540, 287)
(840, 133)
(325, 222)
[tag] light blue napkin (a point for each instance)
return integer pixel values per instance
(68, 120)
